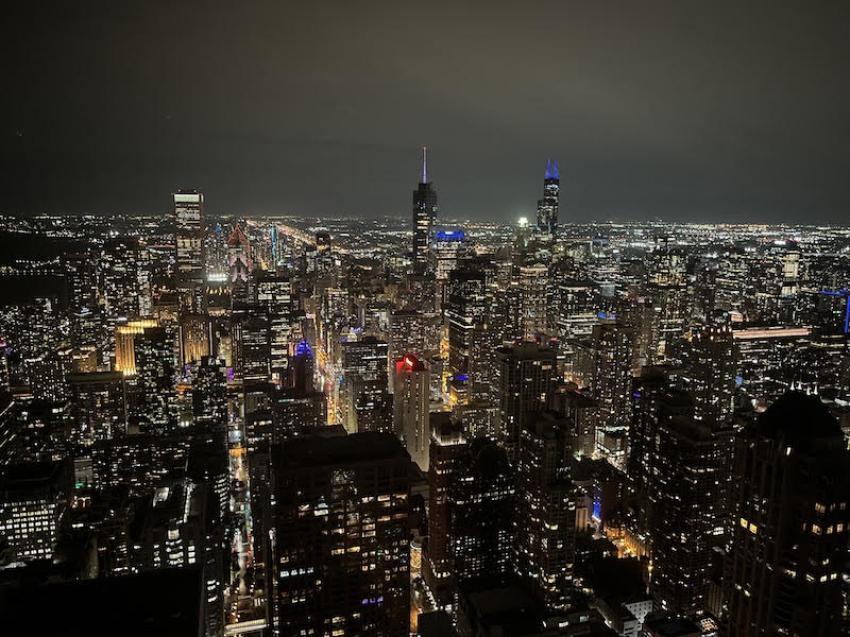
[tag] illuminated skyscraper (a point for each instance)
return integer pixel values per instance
(527, 376)
(447, 249)
(466, 311)
(364, 396)
(790, 520)
(532, 282)
(685, 499)
(413, 332)
(482, 506)
(447, 454)
(411, 388)
(611, 383)
(124, 279)
(151, 385)
(274, 294)
(209, 394)
(424, 216)
(240, 265)
(251, 340)
(189, 267)
(342, 547)
(195, 337)
(547, 208)
(710, 371)
(545, 524)
(302, 367)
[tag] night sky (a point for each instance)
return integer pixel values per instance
(696, 111)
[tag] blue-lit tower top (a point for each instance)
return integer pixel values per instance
(547, 207)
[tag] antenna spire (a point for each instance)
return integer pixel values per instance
(424, 164)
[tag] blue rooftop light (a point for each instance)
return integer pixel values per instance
(303, 349)
(450, 235)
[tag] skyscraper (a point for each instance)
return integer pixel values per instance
(547, 208)
(342, 543)
(532, 282)
(364, 396)
(411, 389)
(545, 523)
(527, 375)
(482, 503)
(240, 265)
(790, 520)
(466, 311)
(446, 458)
(610, 383)
(151, 385)
(686, 487)
(710, 370)
(424, 215)
(189, 249)
(274, 295)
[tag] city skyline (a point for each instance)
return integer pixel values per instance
(455, 319)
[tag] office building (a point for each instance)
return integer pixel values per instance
(34, 500)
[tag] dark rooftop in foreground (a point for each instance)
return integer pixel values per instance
(798, 417)
(671, 627)
(166, 603)
(312, 451)
(18, 478)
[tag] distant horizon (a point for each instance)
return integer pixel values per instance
(441, 221)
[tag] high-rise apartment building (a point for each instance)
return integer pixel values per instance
(710, 370)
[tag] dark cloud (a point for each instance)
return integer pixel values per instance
(684, 110)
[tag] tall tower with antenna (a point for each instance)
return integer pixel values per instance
(547, 208)
(424, 214)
